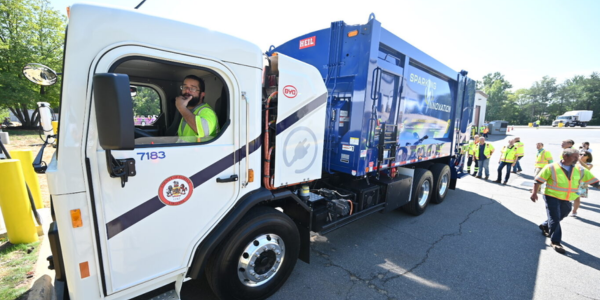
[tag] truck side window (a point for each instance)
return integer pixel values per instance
(155, 86)
(146, 105)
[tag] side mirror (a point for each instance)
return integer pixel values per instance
(40, 74)
(133, 91)
(114, 111)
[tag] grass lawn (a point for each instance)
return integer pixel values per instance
(30, 140)
(17, 263)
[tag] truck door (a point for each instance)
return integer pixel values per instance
(150, 227)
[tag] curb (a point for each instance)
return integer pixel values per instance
(43, 286)
(42, 289)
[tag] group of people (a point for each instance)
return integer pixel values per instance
(482, 130)
(479, 153)
(566, 180)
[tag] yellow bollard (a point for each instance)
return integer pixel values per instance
(14, 202)
(26, 158)
(55, 126)
(561, 124)
(530, 124)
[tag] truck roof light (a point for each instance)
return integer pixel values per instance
(353, 33)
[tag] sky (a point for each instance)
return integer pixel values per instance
(524, 40)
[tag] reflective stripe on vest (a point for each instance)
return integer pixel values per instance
(562, 187)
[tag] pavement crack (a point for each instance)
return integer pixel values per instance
(459, 233)
(355, 278)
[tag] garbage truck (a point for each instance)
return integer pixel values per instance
(574, 118)
(314, 134)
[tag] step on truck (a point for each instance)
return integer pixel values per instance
(316, 133)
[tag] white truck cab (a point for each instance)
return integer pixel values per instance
(135, 208)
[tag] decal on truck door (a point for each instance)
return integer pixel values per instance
(175, 190)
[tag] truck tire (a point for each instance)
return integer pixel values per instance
(256, 259)
(441, 181)
(583, 124)
(421, 192)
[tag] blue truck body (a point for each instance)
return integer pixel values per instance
(389, 103)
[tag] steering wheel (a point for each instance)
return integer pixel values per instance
(140, 133)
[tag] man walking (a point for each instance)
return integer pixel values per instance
(483, 154)
(508, 158)
(520, 153)
(566, 144)
(471, 148)
(562, 183)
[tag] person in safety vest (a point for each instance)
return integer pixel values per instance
(585, 160)
(562, 184)
(198, 120)
(520, 153)
(482, 154)
(471, 153)
(566, 144)
(543, 158)
(508, 157)
(481, 128)
(537, 124)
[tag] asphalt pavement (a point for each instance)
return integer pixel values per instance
(482, 242)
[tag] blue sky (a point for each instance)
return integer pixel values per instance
(524, 40)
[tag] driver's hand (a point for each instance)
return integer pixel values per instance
(182, 101)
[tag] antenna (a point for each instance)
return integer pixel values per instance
(138, 6)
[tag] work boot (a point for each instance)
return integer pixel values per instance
(498, 181)
(558, 248)
(545, 230)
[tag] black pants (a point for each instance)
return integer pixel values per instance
(471, 159)
(500, 167)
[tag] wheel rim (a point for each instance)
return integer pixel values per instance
(261, 260)
(444, 184)
(424, 193)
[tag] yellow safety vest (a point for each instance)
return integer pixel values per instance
(543, 158)
(206, 126)
(487, 151)
(520, 149)
(472, 146)
(509, 155)
(561, 187)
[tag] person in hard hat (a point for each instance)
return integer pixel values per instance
(198, 120)
(508, 157)
(471, 153)
(562, 180)
(520, 153)
(482, 154)
(585, 160)
(543, 158)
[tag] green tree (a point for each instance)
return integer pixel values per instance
(541, 93)
(146, 102)
(30, 31)
(497, 89)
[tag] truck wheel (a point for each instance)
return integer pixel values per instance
(256, 259)
(421, 192)
(583, 124)
(441, 181)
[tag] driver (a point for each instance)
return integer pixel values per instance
(199, 122)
